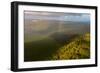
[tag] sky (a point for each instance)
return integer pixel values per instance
(60, 16)
(38, 23)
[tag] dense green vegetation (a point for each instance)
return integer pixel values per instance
(51, 48)
(40, 50)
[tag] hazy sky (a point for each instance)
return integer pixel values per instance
(78, 17)
(39, 24)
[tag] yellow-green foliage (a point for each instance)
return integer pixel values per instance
(78, 48)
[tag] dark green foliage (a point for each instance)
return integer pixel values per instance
(40, 50)
(49, 48)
